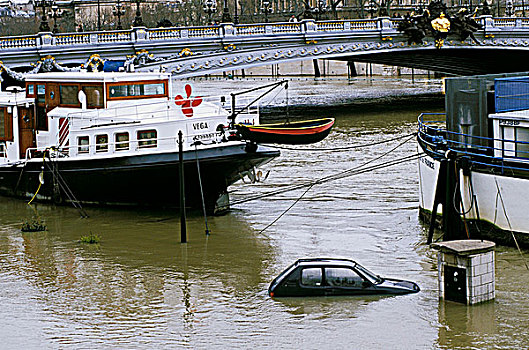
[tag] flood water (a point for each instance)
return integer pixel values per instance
(140, 288)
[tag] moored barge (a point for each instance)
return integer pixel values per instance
(476, 165)
(112, 139)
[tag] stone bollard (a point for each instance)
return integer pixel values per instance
(466, 270)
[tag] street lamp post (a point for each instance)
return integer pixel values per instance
(509, 8)
(235, 14)
(266, 9)
(44, 26)
(55, 13)
(226, 18)
(138, 21)
(119, 11)
(320, 9)
(210, 7)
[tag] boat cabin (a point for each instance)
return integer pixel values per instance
(83, 114)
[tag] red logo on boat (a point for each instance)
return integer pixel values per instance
(189, 102)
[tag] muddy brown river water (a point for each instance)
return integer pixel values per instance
(140, 288)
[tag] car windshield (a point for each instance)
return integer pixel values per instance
(375, 279)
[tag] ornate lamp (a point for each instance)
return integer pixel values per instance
(210, 7)
(118, 11)
(138, 21)
(55, 13)
(44, 26)
(266, 9)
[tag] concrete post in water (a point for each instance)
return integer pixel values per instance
(466, 270)
(183, 230)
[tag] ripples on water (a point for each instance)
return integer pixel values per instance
(140, 288)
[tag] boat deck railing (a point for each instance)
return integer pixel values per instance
(132, 146)
(158, 110)
(501, 154)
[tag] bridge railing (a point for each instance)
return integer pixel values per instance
(18, 42)
(221, 31)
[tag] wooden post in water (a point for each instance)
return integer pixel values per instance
(183, 230)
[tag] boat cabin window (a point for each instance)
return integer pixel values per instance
(41, 93)
(522, 142)
(68, 95)
(3, 150)
(30, 90)
(94, 95)
(342, 277)
(142, 89)
(515, 142)
(147, 138)
(101, 143)
(122, 141)
(6, 126)
(83, 144)
(311, 276)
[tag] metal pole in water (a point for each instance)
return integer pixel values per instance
(183, 230)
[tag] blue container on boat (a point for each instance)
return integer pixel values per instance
(113, 66)
(511, 94)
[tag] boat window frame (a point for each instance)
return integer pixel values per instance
(139, 82)
(28, 93)
(8, 125)
(517, 142)
(76, 97)
(117, 144)
(80, 147)
(146, 143)
(101, 147)
(80, 87)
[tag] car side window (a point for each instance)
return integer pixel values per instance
(343, 277)
(311, 277)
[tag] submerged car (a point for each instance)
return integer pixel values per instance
(327, 276)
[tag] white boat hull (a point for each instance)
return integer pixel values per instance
(501, 202)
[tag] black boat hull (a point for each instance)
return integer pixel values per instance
(140, 180)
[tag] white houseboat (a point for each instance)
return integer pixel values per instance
(477, 160)
(113, 139)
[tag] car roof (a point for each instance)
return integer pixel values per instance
(325, 261)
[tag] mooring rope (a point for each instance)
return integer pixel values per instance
(509, 223)
(358, 171)
(343, 174)
(201, 192)
(64, 186)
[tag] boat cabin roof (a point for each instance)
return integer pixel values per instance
(18, 98)
(522, 115)
(95, 77)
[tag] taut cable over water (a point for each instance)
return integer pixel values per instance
(350, 172)
(343, 174)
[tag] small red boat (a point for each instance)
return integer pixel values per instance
(294, 133)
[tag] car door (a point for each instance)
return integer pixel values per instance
(346, 281)
(311, 281)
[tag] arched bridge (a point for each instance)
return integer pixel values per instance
(501, 46)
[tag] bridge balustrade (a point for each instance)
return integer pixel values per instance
(164, 34)
(364, 24)
(113, 37)
(72, 39)
(203, 32)
(295, 27)
(251, 29)
(18, 42)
